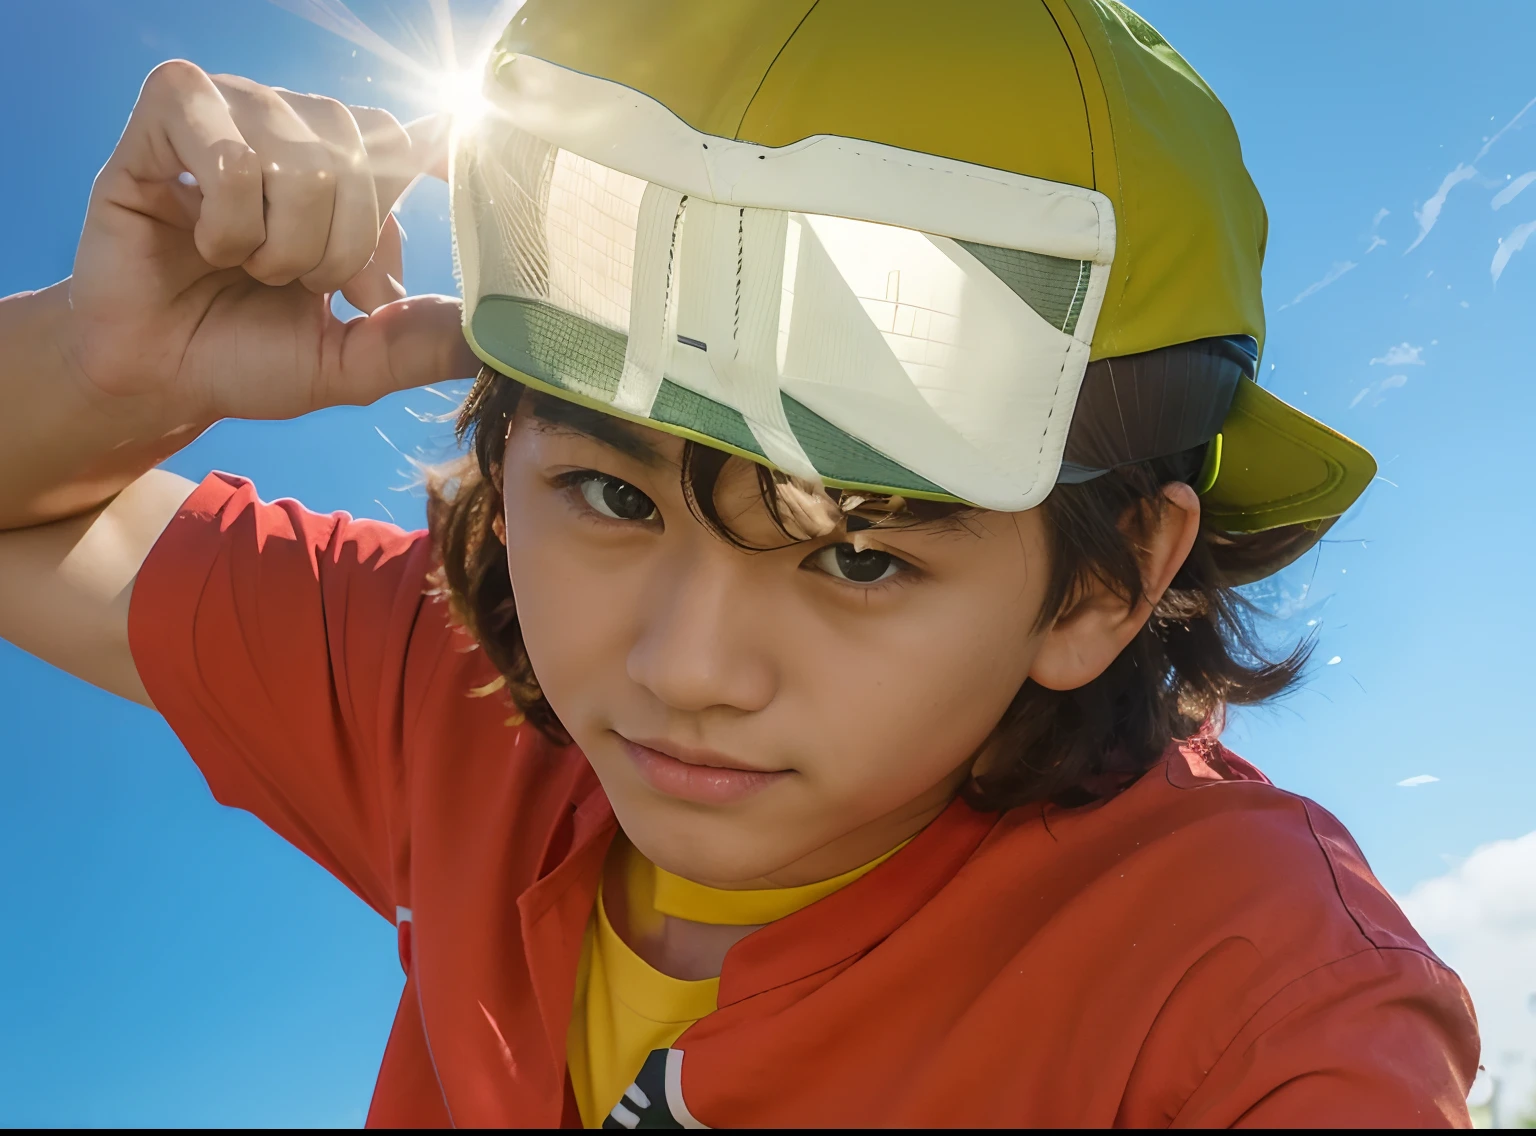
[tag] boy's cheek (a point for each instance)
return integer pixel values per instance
(917, 704)
(572, 614)
(912, 735)
(573, 630)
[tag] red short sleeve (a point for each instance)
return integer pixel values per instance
(1382, 1039)
(279, 644)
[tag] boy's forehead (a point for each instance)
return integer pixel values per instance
(642, 443)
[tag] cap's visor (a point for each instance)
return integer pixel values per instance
(1279, 467)
(700, 290)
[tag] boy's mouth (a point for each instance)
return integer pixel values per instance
(699, 775)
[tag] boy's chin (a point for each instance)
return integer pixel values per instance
(725, 850)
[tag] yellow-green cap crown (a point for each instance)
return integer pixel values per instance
(1074, 91)
(1082, 93)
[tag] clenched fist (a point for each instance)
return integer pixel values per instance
(227, 215)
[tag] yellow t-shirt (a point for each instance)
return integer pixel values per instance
(625, 1007)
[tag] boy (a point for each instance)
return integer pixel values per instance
(864, 451)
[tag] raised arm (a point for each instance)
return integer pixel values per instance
(215, 235)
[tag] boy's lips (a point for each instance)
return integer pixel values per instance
(699, 775)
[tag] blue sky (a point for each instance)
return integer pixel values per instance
(171, 962)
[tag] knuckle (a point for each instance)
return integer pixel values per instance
(396, 137)
(332, 124)
(234, 161)
(174, 77)
(273, 277)
(228, 245)
(317, 107)
(273, 107)
(276, 277)
(237, 85)
(380, 129)
(176, 71)
(333, 107)
(250, 102)
(308, 175)
(277, 267)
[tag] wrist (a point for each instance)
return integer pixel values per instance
(69, 445)
(44, 329)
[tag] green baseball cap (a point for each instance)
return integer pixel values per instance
(891, 246)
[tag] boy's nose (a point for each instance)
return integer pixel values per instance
(700, 644)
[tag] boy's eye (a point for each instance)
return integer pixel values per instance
(616, 499)
(846, 563)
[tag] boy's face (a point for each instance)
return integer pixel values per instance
(758, 717)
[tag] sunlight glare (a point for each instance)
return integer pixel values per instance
(459, 93)
(440, 80)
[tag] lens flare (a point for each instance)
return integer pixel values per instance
(434, 77)
(459, 93)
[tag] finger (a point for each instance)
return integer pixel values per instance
(181, 123)
(381, 280)
(408, 343)
(390, 157)
(399, 154)
(355, 218)
(430, 138)
(298, 180)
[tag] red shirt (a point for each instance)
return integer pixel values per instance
(1203, 949)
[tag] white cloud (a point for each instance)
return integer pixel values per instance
(1480, 918)
(1378, 390)
(1339, 269)
(1376, 238)
(1513, 189)
(1414, 782)
(1509, 246)
(1427, 216)
(1404, 354)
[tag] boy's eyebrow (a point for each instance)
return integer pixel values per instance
(629, 440)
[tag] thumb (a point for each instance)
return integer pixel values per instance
(408, 343)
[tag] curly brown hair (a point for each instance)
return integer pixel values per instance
(1197, 654)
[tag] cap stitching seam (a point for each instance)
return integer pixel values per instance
(1106, 72)
(1066, 357)
(746, 110)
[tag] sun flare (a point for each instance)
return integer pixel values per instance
(433, 73)
(460, 94)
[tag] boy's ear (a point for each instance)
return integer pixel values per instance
(499, 526)
(1088, 636)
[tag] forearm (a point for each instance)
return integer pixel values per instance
(64, 446)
